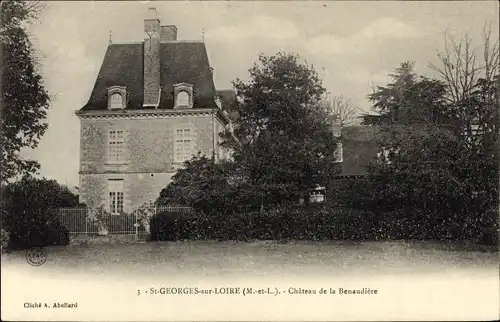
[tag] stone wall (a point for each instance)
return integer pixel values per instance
(138, 187)
(148, 155)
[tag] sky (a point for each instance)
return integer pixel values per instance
(353, 46)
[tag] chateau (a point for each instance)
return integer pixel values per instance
(153, 105)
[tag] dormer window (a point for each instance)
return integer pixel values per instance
(116, 101)
(117, 97)
(183, 95)
(182, 99)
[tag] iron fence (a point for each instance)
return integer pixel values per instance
(76, 222)
(79, 220)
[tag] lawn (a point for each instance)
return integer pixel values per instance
(262, 257)
(401, 271)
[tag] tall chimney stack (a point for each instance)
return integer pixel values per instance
(151, 59)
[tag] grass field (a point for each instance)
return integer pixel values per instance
(447, 274)
(296, 258)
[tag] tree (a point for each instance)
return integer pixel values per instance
(286, 144)
(473, 84)
(24, 100)
(194, 184)
(341, 109)
(409, 100)
(473, 87)
(433, 175)
(467, 76)
(208, 186)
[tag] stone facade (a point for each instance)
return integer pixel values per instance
(148, 153)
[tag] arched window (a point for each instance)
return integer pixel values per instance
(182, 98)
(116, 101)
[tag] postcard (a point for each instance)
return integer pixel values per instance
(249, 161)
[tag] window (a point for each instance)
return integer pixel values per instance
(116, 101)
(117, 97)
(115, 146)
(115, 190)
(183, 145)
(183, 95)
(182, 98)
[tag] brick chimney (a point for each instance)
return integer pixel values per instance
(151, 59)
(168, 33)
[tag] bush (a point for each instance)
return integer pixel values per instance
(170, 226)
(30, 212)
(4, 238)
(26, 233)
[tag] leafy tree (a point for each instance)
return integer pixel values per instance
(435, 170)
(410, 99)
(413, 135)
(473, 87)
(24, 100)
(286, 145)
(207, 186)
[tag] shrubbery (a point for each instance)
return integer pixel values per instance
(27, 234)
(294, 224)
(4, 239)
(29, 212)
(317, 224)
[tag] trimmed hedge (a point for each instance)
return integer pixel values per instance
(291, 225)
(318, 224)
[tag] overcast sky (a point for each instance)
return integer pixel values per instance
(351, 44)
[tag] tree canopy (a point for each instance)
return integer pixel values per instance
(286, 145)
(441, 142)
(24, 100)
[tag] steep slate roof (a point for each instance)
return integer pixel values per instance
(181, 62)
(359, 149)
(228, 98)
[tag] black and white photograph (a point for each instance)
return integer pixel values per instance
(249, 160)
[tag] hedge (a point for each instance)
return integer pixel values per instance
(320, 224)
(291, 225)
